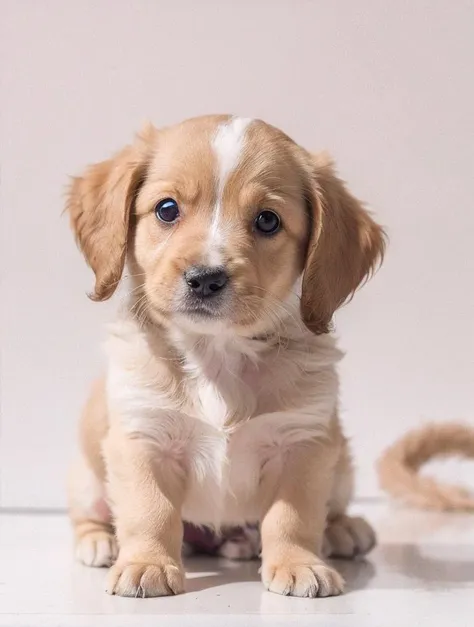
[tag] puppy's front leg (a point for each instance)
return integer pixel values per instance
(293, 525)
(146, 498)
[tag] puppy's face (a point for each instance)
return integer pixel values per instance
(220, 217)
(221, 227)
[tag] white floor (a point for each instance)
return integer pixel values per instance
(422, 573)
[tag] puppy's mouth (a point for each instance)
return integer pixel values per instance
(212, 309)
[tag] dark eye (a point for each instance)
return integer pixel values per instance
(167, 210)
(267, 222)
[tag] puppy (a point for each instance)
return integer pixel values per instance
(219, 403)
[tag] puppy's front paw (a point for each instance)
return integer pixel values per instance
(348, 536)
(134, 579)
(305, 578)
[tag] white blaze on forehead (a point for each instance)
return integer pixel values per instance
(228, 144)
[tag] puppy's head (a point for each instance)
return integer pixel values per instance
(219, 218)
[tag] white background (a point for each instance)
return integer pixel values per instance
(386, 86)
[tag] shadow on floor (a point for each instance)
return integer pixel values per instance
(209, 572)
(428, 565)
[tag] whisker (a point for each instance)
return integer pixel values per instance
(277, 303)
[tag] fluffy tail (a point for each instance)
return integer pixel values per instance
(399, 465)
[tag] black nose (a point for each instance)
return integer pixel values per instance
(204, 281)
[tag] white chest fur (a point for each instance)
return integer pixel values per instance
(242, 407)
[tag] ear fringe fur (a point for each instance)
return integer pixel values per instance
(399, 465)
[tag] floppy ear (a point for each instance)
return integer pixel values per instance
(99, 205)
(345, 247)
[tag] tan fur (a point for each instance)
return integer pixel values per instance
(147, 507)
(293, 514)
(99, 207)
(399, 467)
(255, 385)
(345, 247)
(293, 522)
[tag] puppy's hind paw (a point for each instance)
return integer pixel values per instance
(348, 537)
(97, 548)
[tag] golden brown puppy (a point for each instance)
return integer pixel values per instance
(219, 405)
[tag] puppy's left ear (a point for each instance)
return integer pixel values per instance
(345, 247)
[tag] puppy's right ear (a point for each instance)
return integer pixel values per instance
(99, 205)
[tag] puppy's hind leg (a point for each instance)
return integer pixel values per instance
(345, 536)
(95, 540)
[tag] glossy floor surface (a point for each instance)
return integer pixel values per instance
(422, 573)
